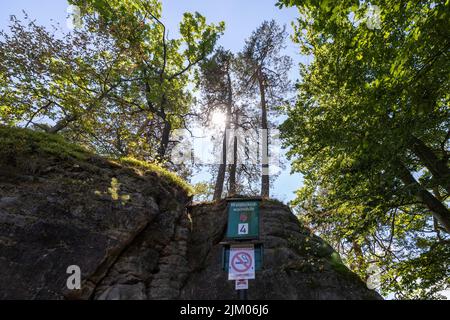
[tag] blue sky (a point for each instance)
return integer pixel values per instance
(241, 18)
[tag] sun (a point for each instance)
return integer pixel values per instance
(218, 119)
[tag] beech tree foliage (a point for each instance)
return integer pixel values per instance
(370, 133)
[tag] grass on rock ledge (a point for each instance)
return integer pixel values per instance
(18, 141)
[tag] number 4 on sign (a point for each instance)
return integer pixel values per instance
(243, 228)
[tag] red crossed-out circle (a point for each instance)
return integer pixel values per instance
(238, 260)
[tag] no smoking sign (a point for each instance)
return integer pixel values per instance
(242, 263)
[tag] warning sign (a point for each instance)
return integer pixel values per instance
(242, 263)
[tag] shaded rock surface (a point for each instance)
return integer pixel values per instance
(125, 227)
(297, 264)
(134, 236)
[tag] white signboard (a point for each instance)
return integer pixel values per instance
(242, 284)
(242, 263)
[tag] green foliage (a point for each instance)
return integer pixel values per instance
(203, 191)
(368, 93)
(117, 84)
(163, 66)
(422, 277)
(63, 85)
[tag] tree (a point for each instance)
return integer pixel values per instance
(223, 93)
(163, 66)
(118, 84)
(369, 132)
(263, 69)
(56, 84)
(217, 88)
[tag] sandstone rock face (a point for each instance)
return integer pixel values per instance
(297, 264)
(126, 249)
(127, 229)
(134, 236)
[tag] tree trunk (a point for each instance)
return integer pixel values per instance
(265, 186)
(438, 209)
(437, 167)
(62, 124)
(218, 189)
(164, 139)
(233, 166)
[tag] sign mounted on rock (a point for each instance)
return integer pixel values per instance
(242, 263)
(242, 243)
(259, 254)
(243, 220)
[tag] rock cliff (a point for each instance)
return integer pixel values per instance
(133, 232)
(297, 264)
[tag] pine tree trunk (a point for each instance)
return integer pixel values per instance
(265, 184)
(218, 189)
(233, 166)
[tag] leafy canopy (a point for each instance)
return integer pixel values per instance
(373, 93)
(115, 84)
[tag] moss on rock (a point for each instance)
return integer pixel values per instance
(18, 142)
(25, 144)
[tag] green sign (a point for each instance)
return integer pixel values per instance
(243, 220)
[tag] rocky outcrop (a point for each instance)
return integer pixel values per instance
(131, 230)
(297, 264)
(124, 224)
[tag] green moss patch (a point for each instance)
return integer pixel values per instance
(19, 143)
(337, 264)
(161, 172)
